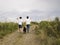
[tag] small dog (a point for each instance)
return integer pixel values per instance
(24, 29)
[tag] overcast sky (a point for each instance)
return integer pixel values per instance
(26, 5)
(48, 7)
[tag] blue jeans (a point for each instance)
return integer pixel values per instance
(28, 27)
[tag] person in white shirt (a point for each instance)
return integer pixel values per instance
(28, 21)
(20, 21)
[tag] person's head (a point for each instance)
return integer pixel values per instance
(27, 17)
(20, 17)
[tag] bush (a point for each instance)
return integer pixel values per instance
(50, 30)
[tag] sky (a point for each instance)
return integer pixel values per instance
(36, 9)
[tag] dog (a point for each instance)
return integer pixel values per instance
(24, 29)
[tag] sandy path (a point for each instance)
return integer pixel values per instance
(16, 39)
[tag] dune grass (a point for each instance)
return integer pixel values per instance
(48, 33)
(6, 28)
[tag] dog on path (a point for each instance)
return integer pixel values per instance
(24, 29)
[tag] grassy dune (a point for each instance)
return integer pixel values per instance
(6, 28)
(48, 33)
(44, 33)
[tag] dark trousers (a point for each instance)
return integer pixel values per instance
(28, 27)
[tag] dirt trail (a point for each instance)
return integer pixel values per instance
(16, 39)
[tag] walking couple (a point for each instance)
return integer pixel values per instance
(27, 27)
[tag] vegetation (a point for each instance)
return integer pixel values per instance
(6, 28)
(49, 32)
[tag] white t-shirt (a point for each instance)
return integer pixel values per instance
(28, 21)
(20, 21)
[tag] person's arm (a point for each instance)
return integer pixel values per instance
(24, 20)
(17, 18)
(30, 20)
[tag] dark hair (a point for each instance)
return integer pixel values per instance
(20, 17)
(27, 17)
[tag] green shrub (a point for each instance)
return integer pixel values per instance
(50, 30)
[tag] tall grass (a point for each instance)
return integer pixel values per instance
(6, 28)
(48, 33)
